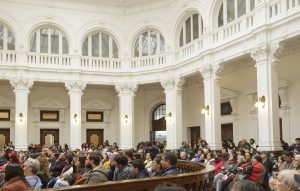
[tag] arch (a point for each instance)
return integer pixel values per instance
(86, 30)
(214, 13)
(45, 20)
(142, 28)
(10, 23)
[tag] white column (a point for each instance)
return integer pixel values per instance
(266, 58)
(75, 92)
(126, 93)
(212, 99)
(173, 92)
(21, 90)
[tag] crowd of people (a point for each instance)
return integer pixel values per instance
(240, 167)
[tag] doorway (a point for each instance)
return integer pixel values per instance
(195, 134)
(94, 137)
(49, 136)
(4, 137)
(227, 132)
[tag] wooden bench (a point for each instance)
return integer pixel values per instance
(195, 176)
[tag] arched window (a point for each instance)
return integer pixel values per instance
(100, 44)
(191, 29)
(7, 38)
(158, 132)
(49, 40)
(232, 9)
(159, 112)
(148, 43)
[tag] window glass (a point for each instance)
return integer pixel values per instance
(65, 47)
(33, 43)
(54, 42)
(220, 17)
(105, 45)
(85, 47)
(241, 7)
(145, 44)
(44, 40)
(95, 45)
(10, 40)
(252, 4)
(230, 11)
(162, 44)
(195, 26)
(188, 30)
(115, 50)
(1, 36)
(153, 43)
(181, 38)
(136, 48)
(159, 112)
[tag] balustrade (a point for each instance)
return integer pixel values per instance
(7, 56)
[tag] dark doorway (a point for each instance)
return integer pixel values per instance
(227, 131)
(280, 128)
(4, 137)
(195, 134)
(94, 137)
(49, 136)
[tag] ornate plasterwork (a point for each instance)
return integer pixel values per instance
(75, 86)
(260, 54)
(96, 104)
(126, 89)
(21, 84)
(49, 103)
(206, 71)
(172, 84)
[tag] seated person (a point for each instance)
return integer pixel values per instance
(168, 163)
(31, 168)
(122, 168)
(97, 174)
(138, 169)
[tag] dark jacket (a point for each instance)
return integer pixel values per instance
(16, 183)
(170, 171)
(142, 174)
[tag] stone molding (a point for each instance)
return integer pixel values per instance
(126, 89)
(75, 87)
(21, 84)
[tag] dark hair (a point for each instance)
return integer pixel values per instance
(158, 158)
(247, 185)
(129, 154)
(297, 139)
(12, 170)
(288, 154)
(167, 186)
(138, 163)
(121, 159)
(82, 159)
(258, 158)
(171, 157)
(95, 157)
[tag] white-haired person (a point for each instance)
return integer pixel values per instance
(285, 181)
(31, 168)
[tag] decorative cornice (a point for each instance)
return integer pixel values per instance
(126, 89)
(75, 86)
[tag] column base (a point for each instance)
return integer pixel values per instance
(21, 147)
(126, 147)
(215, 147)
(269, 148)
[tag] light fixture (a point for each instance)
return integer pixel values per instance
(260, 103)
(205, 110)
(21, 117)
(75, 117)
(169, 117)
(125, 118)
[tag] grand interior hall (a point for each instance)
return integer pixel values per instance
(86, 71)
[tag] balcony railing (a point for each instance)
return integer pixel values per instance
(48, 60)
(7, 57)
(148, 62)
(94, 63)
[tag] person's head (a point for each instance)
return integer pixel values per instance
(31, 167)
(129, 155)
(183, 155)
(285, 181)
(13, 170)
(297, 161)
(287, 156)
(246, 185)
(120, 160)
(297, 140)
(256, 158)
(252, 141)
(156, 165)
(44, 165)
(248, 156)
(209, 156)
(264, 155)
(137, 166)
(233, 157)
(168, 159)
(92, 160)
(166, 186)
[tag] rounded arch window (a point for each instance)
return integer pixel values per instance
(7, 38)
(191, 29)
(159, 112)
(233, 9)
(149, 42)
(100, 44)
(49, 40)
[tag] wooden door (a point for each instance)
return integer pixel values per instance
(94, 136)
(227, 131)
(195, 134)
(4, 137)
(49, 136)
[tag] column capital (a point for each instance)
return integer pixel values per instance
(21, 84)
(75, 86)
(260, 53)
(206, 71)
(276, 50)
(171, 83)
(126, 88)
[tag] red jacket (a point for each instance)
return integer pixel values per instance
(14, 184)
(256, 172)
(218, 166)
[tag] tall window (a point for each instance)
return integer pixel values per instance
(232, 9)
(159, 112)
(150, 42)
(49, 40)
(7, 38)
(191, 29)
(159, 124)
(100, 44)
